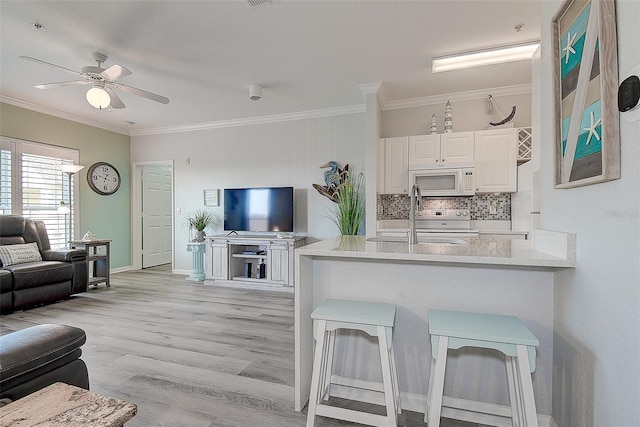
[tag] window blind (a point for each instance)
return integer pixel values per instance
(43, 187)
(33, 185)
(5, 181)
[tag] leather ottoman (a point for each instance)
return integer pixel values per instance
(36, 357)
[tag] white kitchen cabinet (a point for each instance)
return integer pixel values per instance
(396, 165)
(457, 147)
(427, 151)
(495, 162)
(424, 151)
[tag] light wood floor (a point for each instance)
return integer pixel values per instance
(188, 354)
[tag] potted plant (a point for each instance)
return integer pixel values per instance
(200, 220)
(350, 204)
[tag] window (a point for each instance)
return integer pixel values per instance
(32, 185)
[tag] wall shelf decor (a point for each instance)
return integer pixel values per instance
(586, 72)
(211, 197)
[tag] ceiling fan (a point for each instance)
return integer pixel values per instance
(103, 82)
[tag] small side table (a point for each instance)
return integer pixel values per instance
(197, 261)
(61, 405)
(99, 260)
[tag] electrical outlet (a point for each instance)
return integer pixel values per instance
(493, 209)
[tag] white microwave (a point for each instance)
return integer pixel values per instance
(439, 182)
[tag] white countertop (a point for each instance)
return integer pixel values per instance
(551, 250)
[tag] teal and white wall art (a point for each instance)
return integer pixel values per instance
(586, 73)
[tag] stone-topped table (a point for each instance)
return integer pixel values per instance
(61, 405)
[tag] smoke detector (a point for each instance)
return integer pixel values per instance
(255, 92)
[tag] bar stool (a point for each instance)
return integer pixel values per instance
(375, 319)
(507, 334)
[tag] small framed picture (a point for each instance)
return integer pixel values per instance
(211, 197)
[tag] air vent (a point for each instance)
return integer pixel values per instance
(260, 3)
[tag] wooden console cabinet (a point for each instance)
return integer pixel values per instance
(251, 259)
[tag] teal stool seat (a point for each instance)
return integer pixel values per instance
(507, 334)
(375, 319)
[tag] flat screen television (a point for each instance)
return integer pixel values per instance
(258, 209)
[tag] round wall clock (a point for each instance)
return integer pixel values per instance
(103, 178)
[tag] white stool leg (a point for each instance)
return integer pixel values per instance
(389, 394)
(394, 372)
(430, 388)
(435, 401)
(323, 364)
(530, 418)
(325, 389)
(318, 361)
(515, 396)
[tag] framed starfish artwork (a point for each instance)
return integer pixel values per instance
(585, 85)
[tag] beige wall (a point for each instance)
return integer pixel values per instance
(106, 216)
(467, 116)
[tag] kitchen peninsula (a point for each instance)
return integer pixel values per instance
(511, 277)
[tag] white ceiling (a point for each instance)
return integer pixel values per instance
(202, 55)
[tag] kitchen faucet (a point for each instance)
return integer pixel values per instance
(416, 202)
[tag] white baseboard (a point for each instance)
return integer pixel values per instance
(459, 409)
(121, 269)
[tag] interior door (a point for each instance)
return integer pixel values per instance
(156, 215)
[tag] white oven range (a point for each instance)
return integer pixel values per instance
(445, 223)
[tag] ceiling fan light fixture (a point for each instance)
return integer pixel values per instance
(98, 98)
(484, 57)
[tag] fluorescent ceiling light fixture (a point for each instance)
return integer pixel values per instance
(98, 97)
(484, 57)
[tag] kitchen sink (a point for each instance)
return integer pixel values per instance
(421, 240)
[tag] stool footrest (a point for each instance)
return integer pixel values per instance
(352, 415)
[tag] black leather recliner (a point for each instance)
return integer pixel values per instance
(60, 274)
(36, 357)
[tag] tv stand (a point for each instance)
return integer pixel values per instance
(251, 259)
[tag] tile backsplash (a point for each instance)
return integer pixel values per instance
(396, 206)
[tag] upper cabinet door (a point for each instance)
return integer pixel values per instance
(496, 161)
(457, 147)
(396, 165)
(424, 151)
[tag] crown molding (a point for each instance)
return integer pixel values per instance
(374, 88)
(60, 114)
(369, 88)
(457, 97)
(313, 114)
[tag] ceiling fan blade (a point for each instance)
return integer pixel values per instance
(61, 84)
(116, 102)
(115, 72)
(28, 58)
(143, 93)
